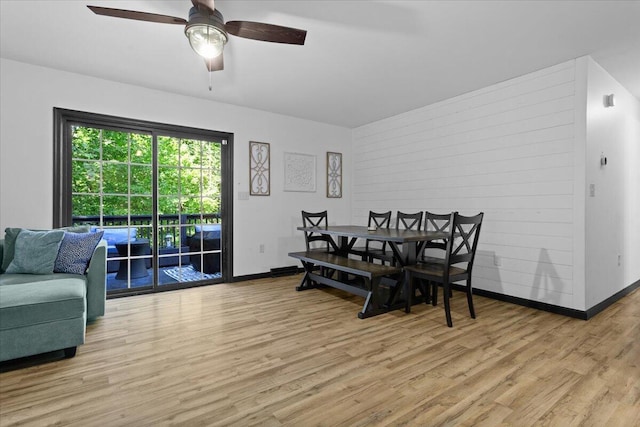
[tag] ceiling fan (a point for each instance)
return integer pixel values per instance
(208, 33)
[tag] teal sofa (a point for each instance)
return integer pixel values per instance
(40, 313)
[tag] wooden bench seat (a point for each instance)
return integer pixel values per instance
(370, 272)
(346, 265)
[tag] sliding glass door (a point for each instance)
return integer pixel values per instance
(189, 202)
(157, 193)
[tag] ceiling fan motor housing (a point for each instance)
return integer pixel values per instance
(197, 18)
(206, 33)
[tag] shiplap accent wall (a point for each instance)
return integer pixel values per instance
(507, 150)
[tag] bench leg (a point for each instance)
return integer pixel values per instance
(372, 305)
(306, 282)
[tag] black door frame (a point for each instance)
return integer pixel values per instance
(63, 119)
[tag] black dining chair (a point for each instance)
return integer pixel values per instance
(409, 221)
(371, 246)
(316, 241)
(458, 264)
(433, 251)
(405, 221)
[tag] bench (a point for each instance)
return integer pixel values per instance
(371, 273)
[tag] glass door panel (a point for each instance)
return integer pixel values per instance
(112, 191)
(187, 170)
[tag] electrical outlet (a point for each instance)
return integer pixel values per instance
(592, 190)
(261, 248)
(619, 260)
(497, 261)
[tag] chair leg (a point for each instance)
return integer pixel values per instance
(447, 307)
(434, 294)
(470, 299)
(425, 290)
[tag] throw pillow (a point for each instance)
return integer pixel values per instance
(117, 235)
(10, 235)
(75, 252)
(10, 241)
(208, 227)
(76, 228)
(35, 252)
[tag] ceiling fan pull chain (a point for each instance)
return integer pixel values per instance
(210, 72)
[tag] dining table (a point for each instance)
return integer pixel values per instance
(405, 245)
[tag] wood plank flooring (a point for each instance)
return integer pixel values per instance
(259, 353)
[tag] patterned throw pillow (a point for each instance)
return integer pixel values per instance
(75, 252)
(35, 252)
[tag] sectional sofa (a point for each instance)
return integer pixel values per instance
(41, 313)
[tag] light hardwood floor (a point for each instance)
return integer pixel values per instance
(259, 353)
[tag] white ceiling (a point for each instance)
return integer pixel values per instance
(362, 61)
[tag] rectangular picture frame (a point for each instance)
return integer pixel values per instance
(259, 168)
(334, 175)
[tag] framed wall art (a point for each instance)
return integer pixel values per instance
(259, 168)
(299, 172)
(334, 175)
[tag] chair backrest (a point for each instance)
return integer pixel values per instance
(315, 219)
(379, 220)
(463, 240)
(409, 221)
(437, 222)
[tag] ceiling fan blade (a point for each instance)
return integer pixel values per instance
(215, 64)
(266, 32)
(204, 6)
(139, 16)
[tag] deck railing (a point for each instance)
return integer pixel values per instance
(173, 230)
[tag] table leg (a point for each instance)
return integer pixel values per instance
(408, 255)
(343, 250)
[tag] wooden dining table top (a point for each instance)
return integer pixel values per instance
(383, 234)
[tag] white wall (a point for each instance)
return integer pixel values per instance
(29, 94)
(613, 213)
(508, 150)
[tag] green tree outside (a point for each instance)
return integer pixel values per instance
(113, 170)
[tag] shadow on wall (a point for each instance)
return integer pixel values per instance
(547, 285)
(484, 270)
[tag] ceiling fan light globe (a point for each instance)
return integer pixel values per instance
(206, 40)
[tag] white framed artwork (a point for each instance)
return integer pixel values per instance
(299, 172)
